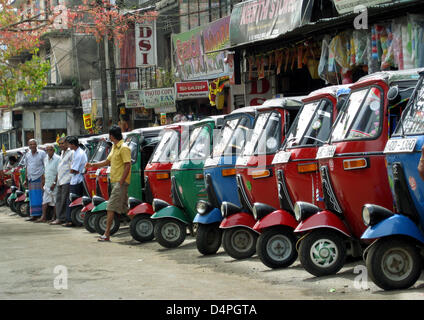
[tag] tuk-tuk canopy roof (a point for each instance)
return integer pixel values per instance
(331, 90)
(393, 76)
(218, 120)
(292, 103)
(16, 151)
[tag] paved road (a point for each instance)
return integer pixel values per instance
(34, 258)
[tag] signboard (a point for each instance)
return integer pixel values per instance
(161, 100)
(257, 91)
(145, 44)
(88, 124)
(346, 6)
(86, 101)
(191, 90)
(266, 19)
(134, 98)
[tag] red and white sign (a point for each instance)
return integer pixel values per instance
(191, 90)
(145, 44)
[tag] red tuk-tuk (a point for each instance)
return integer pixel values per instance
(254, 171)
(353, 171)
(157, 180)
(297, 176)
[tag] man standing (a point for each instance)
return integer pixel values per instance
(76, 185)
(34, 163)
(51, 163)
(63, 180)
(119, 160)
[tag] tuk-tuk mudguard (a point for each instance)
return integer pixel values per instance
(145, 208)
(12, 196)
(100, 207)
(397, 224)
(171, 212)
(241, 219)
(76, 202)
(20, 198)
(88, 207)
(323, 219)
(276, 218)
(211, 217)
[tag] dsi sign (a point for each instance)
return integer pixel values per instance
(145, 38)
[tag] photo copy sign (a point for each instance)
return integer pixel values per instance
(191, 90)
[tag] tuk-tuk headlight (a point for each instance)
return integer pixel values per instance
(373, 214)
(260, 210)
(86, 200)
(203, 207)
(13, 188)
(228, 208)
(97, 200)
(159, 204)
(19, 193)
(73, 197)
(303, 210)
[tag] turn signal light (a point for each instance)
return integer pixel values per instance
(257, 174)
(307, 167)
(162, 176)
(355, 164)
(103, 179)
(199, 176)
(92, 176)
(228, 172)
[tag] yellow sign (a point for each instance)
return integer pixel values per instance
(88, 124)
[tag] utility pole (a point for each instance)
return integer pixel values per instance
(112, 74)
(103, 80)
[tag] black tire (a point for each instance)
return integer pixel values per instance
(208, 238)
(142, 228)
(77, 219)
(239, 242)
(13, 205)
(276, 247)
(22, 208)
(170, 233)
(394, 264)
(100, 223)
(315, 259)
(89, 218)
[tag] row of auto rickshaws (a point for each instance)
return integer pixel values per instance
(316, 178)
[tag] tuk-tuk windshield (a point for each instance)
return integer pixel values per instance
(167, 149)
(413, 118)
(361, 116)
(312, 125)
(265, 138)
(132, 144)
(199, 146)
(232, 137)
(100, 153)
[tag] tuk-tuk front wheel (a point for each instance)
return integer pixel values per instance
(13, 205)
(170, 233)
(89, 218)
(142, 228)
(22, 208)
(239, 242)
(100, 223)
(276, 247)
(394, 264)
(76, 217)
(208, 238)
(322, 252)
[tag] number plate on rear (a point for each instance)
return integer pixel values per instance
(326, 152)
(281, 157)
(400, 145)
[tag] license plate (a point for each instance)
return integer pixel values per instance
(326, 152)
(281, 157)
(400, 145)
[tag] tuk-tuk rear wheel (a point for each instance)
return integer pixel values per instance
(208, 238)
(89, 218)
(170, 233)
(394, 264)
(76, 218)
(239, 242)
(322, 252)
(142, 228)
(276, 247)
(100, 223)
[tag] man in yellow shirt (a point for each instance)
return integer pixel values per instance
(119, 160)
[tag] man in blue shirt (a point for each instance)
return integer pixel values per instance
(77, 169)
(34, 163)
